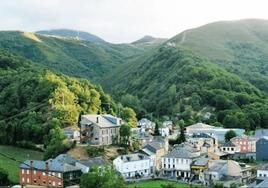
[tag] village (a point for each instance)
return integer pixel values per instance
(199, 154)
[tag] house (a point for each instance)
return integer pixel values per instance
(177, 163)
(86, 165)
(223, 170)
(262, 172)
(155, 150)
(133, 165)
(262, 148)
(198, 167)
(146, 125)
(72, 133)
(204, 142)
(245, 143)
(164, 131)
(228, 147)
(58, 172)
(216, 132)
(100, 129)
(144, 138)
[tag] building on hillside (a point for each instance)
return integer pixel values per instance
(205, 143)
(144, 138)
(198, 167)
(72, 133)
(245, 143)
(86, 165)
(177, 163)
(58, 172)
(155, 150)
(262, 172)
(216, 132)
(100, 129)
(223, 170)
(164, 131)
(262, 148)
(229, 147)
(146, 125)
(135, 165)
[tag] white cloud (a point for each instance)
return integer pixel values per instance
(124, 20)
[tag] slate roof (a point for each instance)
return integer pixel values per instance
(133, 157)
(227, 144)
(97, 161)
(53, 166)
(181, 153)
(201, 161)
(103, 120)
(62, 163)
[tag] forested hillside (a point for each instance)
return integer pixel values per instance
(177, 83)
(35, 100)
(239, 46)
(73, 57)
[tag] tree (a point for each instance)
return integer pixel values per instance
(181, 138)
(129, 115)
(230, 134)
(104, 177)
(3, 177)
(156, 129)
(125, 132)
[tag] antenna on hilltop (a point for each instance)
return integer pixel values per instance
(77, 36)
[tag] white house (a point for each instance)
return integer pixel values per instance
(146, 125)
(263, 172)
(229, 147)
(178, 162)
(72, 133)
(133, 165)
(164, 131)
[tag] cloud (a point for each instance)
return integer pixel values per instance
(124, 20)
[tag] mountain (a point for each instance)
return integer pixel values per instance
(149, 39)
(74, 34)
(34, 100)
(240, 46)
(175, 80)
(73, 57)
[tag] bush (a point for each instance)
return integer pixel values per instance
(94, 151)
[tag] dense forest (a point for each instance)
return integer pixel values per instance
(176, 83)
(36, 102)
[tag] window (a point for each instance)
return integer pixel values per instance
(264, 175)
(22, 171)
(232, 149)
(53, 173)
(34, 180)
(22, 179)
(59, 175)
(28, 172)
(54, 184)
(28, 180)
(34, 172)
(44, 173)
(44, 182)
(59, 184)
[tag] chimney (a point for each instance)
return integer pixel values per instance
(46, 167)
(97, 120)
(31, 164)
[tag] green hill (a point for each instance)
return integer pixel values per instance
(73, 57)
(33, 99)
(239, 46)
(175, 82)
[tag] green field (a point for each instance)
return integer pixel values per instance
(156, 184)
(12, 167)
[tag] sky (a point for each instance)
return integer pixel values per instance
(121, 21)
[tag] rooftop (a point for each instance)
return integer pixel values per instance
(182, 152)
(133, 157)
(106, 120)
(97, 161)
